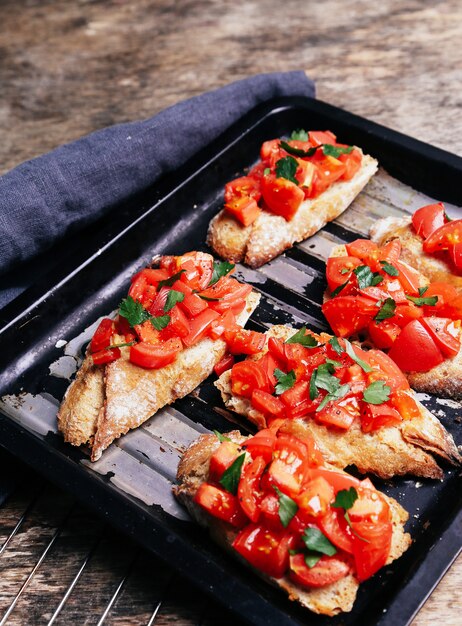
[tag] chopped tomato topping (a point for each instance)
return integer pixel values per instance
(224, 365)
(428, 218)
(103, 335)
(221, 504)
(328, 570)
(155, 356)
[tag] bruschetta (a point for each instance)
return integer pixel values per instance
(296, 188)
(303, 525)
(355, 403)
(372, 293)
(439, 261)
(166, 339)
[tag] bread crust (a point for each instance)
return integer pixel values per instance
(271, 234)
(338, 597)
(104, 403)
(408, 448)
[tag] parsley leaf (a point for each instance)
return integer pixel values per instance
(345, 498)
(286, 168)
(266, 171)
(296, 151)
(341, 391)
(299, 135)
(311, 559)
(430, 301)
(390, 269)
(173, 298)
(231, 476)
(366, 278)
(133, 311)
(377, 392)
(220, 437)
(338, 289)
(287, 508)
(322, 378)
(285, 381)
(386, 310)
(315, 540)
(220, 268)
(160, 322)
(352, 354)
(422, 290)
(447, 218)
(345, 270)
(209, 299)
(336, 345)
(335, 151)
(334, 362)
(168, 282)
(314, 393)
(303, 339)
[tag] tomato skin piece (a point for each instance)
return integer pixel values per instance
(447, 235)
(405, 313)
(155, 356)
(248, 491)
(192, 305)
(244, 186)
(226, 322)
(330, 170)
(146, 332)
(103, 335)
(438, 330)
(328, 570)
(362, 249)
(376, 416)
(383, 334)
(246, 376)
(338, 480)
(414, 350)
(428, 218)
(221, 504)
(105, 356)
(222, 458)
(394, 376)
(179, 324)
(242, 341)
(224, 365)
(199, 326)
(281, 196)
(244, 209)
(335, 271)
(269, 508)
(348, 314)
(336, 529)
(409, 278)
(334, 414)
(267, 404)
(265, 549)
(405, 404)
(262, 444)
(373, 555)
(315, 497)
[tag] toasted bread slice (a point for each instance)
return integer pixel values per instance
(105, 402)
(332, 599)
(444, 379)
(433, 266)
(271, 234)
(408, 448)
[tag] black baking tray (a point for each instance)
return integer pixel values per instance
(172, 218)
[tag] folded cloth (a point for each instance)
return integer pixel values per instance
(63, 191)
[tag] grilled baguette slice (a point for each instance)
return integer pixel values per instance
(394, 451)
(105, 402)
(332, 599)
(446, 378)
(271, 234)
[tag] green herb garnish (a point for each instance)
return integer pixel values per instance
(168, 282)
(386, 310)
(220, 268)
(316, 541)
(287, 508)
(221, 438)
(335, 151)
(297, 151)
(390, 269)
(352, 354)
(303, 339)
(338, 289)
(299, 135)
(173, 298)
(133, 311)
(231, 476)
(430, 301)
(285, 381)
(366, 278)
(377, 392)
(286, 168)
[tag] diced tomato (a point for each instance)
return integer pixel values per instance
(224, 365)
(222, 458)
(179, 324)
(319, 137)
(393, 375)
(352, 163)
(247, 376)
(154, 276)
(414, 350)
(446, 295)
(290, 464)
(315, 497)
(221, 504)
(455, 254)
(249, 488)
(281, 196)
(405, 404)
(155, 356)
(338, 480)
(244, 209)
(328, 570)
(447, 235)
(337, 530)
(444, 334)
(270, 152)
(428, 218)
(330, 169)
(348, 314)
(234, 300)
(269, 364)
(296, 394)
(192, 305)
(103, 335)
(199, 326)
(265, 549)
(408, 277)
(138, 287)
(405, 313)
(372, 554)
(375, 416)
(362, 249)
(305, 174)
(339, 270)
(267, 404)
(383, 334)
(242, 341)
(179, 285)
(390, 252)
(339, 414)
(146, 332)
(245, 186)
(198, 269)
(107, 355)
(262, 444)
(226, 322)
(269, 508)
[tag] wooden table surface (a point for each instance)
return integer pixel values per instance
(70, 68)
